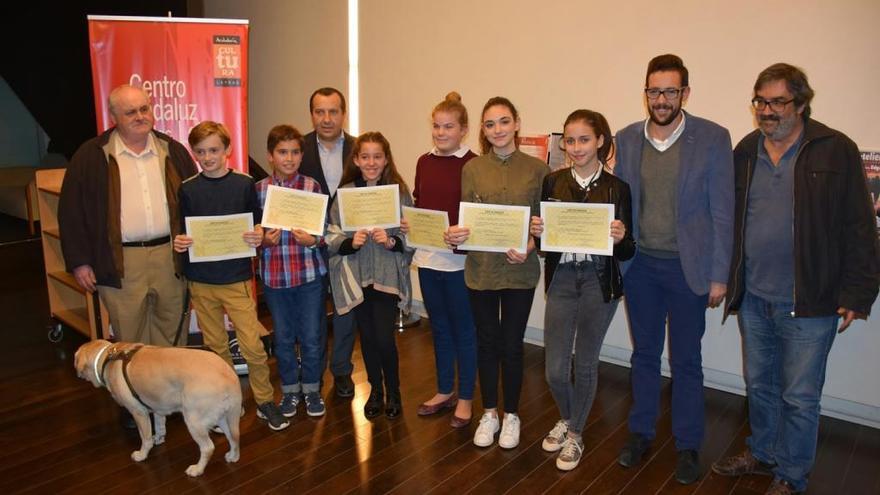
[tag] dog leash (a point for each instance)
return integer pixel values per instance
(125, 357)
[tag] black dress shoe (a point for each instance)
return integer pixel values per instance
(687, 469)
(374, 405)
(393, 406)
(344, 386)
(633, 451)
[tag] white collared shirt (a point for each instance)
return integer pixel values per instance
(332, 162)
(463, 150)
(664, 144)
(143, 204)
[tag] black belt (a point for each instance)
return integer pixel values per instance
(152, 242)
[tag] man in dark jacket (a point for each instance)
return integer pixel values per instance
(805, 255)
(325, 153)
(117, 215)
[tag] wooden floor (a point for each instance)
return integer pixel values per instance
(58, 434)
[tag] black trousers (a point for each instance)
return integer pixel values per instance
(376, 318)
(500, 341)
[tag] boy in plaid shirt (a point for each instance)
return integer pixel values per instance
(291, 268)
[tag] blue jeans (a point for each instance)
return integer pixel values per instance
(657, 292)
(452, 325)
(785, 371)
(296, 313)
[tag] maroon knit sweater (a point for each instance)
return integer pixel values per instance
(438, 183)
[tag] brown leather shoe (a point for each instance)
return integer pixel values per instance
(427, 410)
(457, 422)
(780, 487)
(740, 464)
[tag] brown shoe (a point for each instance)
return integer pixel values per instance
(742, 463)
(780, 487)
(457, 422)
(427, 410)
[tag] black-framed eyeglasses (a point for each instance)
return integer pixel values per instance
(669, 93)
(776, 105)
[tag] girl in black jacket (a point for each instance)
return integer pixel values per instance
(582, 290)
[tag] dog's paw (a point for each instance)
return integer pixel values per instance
(138, 455)
(231, 456)
(158, 440)
(194, 470)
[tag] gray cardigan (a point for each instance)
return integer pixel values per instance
(387, 271)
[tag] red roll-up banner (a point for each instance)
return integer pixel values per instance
(194, 70)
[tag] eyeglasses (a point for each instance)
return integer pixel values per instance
(669, 93)
(776, 105)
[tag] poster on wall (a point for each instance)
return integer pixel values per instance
(536, 145)
(871, 161)
(193, 69)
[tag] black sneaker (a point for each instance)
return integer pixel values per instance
(393, 407)
(344, 386)
(687, 469)
(270, 412)
(633, 451)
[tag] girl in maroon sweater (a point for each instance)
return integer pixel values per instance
(441, 274)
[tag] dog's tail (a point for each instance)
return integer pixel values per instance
(231, 417)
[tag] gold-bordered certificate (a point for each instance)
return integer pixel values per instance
(577, 227)
(494, 228)
(426, 228)
(219, 237)
(290, 209)
(368, 207)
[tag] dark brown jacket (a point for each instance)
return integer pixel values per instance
(835, 239)
(89, 208)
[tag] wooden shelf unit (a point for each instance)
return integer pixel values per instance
(69, 304)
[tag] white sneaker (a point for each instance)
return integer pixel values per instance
(570, 456)
(553, 440)
(485, 434)
(509, 432)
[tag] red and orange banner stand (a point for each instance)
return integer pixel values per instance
(194, 70)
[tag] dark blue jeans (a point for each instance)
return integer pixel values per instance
(452, 325)
(785, 371)
(343, 338)
(296, 318)
(657, 292)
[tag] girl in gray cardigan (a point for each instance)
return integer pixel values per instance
(369, 273)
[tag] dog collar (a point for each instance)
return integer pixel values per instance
(98, 358)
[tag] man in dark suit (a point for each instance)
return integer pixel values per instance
(326, 150)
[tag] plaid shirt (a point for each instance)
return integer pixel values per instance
(288, 264)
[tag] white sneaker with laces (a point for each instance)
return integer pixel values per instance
(553, 441)
(509, 432)
(485, 434)
(570, 455)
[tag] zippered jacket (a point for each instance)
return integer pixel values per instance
(835, 238)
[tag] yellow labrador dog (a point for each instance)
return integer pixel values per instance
(163, 380)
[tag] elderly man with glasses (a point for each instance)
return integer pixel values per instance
(805, 256)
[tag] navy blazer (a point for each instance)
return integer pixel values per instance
(704, 227)
(311, 162)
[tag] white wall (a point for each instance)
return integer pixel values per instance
(550, 58)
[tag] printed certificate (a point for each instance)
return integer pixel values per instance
(577, 228)
(290, 209)
(368, 207)
(219, 237)
(494, 228)
(426, 228)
